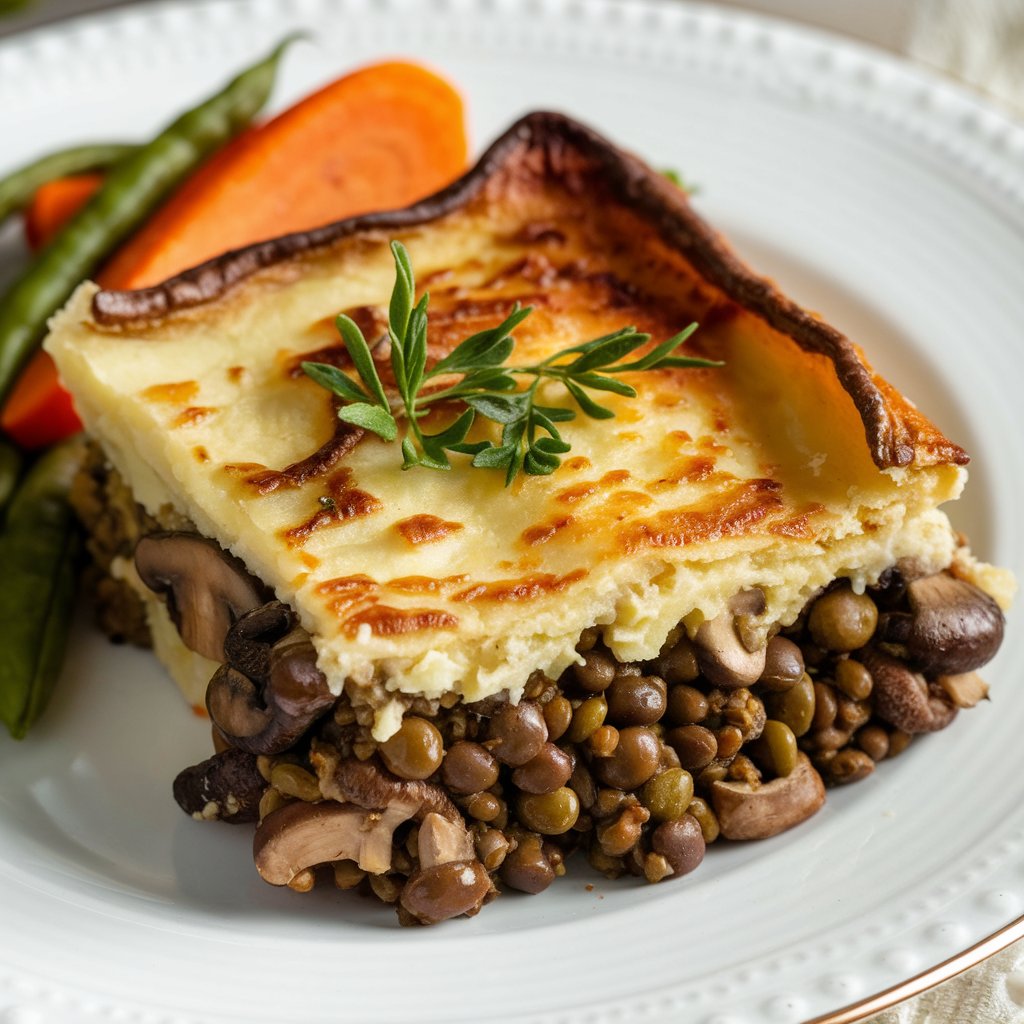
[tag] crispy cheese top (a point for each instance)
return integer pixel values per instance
(757, 473)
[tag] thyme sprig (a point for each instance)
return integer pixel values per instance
(530, 440)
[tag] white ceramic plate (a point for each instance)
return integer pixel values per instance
(886, 199)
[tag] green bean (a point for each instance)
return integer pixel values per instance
(10, 470)
(39, 552)
(131, 191)
(20, 185)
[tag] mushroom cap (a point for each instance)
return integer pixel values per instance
(953, 627)
(267, 713)
(206, 588)
(903, 698)
(745, 812)
(235, 708)
(227, 787)
(248, 642)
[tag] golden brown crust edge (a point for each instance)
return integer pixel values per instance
(897, 434)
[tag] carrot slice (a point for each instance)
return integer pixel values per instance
(39, 412)
(378, 138)
(54, 203)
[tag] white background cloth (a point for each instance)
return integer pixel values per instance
(982, 43)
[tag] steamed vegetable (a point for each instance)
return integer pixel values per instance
(380, 137)
(131, 191)
(55, 203)
(18, 187)
(39, 548)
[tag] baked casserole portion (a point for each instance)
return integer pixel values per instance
(739, 585)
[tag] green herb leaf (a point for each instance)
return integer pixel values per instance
(500, 408)
(530, 441)
(403, 293)
(333, 379)
(370, 417)
(416, 345)
(494, 457)
(486, 348)
(553, 445)
(602, 383)
(611, 350)
(587, 404)
(359, 351)
(556, 413)
(659, 352)
(677, 179)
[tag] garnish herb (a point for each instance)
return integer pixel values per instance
(530, 440)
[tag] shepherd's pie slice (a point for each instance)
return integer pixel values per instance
(735, 494)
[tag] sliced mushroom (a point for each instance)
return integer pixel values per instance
(952, 626)
(248, 642)
(367, 784)
(745, 812)
(206, 589)
(299, 836)
(266, 713)
(966, 690)
(440, 841)
(903, 698)
(225, 787)
(730, 651)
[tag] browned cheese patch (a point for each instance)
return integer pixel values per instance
(426, 529)
(265, 481)
(173, 393)
(192, 415)
(384, 620)
(342, 503)
(727, 514)
(694, 469)
(526, 588)
(588, 488)
(799, 526)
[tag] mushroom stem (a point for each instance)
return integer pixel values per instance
(366, 784)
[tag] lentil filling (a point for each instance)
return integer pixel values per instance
(635, 767)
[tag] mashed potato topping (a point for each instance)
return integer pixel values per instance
(759, 473)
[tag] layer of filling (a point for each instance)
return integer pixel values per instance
(732, 731)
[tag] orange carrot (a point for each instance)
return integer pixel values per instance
(55, 203)
(39, 412)
(378, 138)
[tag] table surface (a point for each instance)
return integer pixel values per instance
(933, 31)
